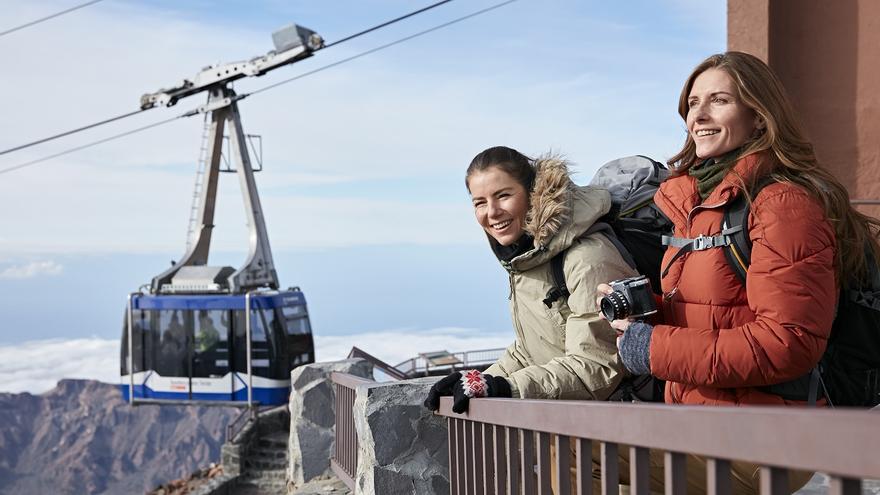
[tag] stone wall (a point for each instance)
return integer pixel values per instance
(313, 418)
(403, 446)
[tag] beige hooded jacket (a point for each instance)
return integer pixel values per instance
(567, 351)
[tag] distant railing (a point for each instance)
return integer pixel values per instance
(377, 363)
(419, 366)
(864, 202)
(240, 421)
(499, 440)
(345, 453)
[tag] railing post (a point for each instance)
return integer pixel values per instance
(718, 477)
(774, 481)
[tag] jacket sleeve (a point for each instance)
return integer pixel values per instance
(590, 367)
(792, 291)
(514, 358)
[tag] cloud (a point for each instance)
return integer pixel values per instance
(37, 366)
(32, 269)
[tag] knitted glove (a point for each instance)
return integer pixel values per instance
(463, 387)
(474, 384)
(635, 348)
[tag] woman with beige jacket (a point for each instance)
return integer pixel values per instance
(531, 211)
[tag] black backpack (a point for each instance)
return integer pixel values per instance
(849, 370)
(636, 227)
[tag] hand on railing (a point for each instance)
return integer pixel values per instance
(465, 386)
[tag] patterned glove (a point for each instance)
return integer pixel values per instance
(474, 384)
(464, 386)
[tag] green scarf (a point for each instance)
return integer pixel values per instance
(710, 172)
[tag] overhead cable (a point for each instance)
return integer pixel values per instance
(380, 26)
(56, 14)
(382, 47)
(72, 131)
(119, 117)
(93, 143)
(245, 95)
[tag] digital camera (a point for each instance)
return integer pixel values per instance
(632, 298)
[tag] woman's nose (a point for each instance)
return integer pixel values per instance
(492, 208)
(699, 112)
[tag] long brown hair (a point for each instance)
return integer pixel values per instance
(790, 156)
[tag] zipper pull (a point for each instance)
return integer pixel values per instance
(667, 297)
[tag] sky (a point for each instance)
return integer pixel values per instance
(362, 185)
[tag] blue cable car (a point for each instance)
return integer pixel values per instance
(194, 348)
(209, 334)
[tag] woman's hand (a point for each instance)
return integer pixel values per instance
(619, 325)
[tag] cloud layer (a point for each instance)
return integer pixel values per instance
(32, 269)
(37, 366)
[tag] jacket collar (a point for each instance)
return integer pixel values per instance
(678, 195)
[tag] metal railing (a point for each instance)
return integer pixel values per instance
(386, 368)
(498, 440)
(419, 366)
(345, 451)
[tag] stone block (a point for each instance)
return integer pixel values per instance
(402, 446)
(313, 418)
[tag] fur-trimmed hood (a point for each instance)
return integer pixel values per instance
(559, 211)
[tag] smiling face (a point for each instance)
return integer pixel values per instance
(717, 120)
(500, 204)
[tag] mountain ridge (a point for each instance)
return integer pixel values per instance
(81, 437)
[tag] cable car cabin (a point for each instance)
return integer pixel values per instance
(193, 348)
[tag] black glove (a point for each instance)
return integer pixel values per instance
(441, 388)
(463, 387)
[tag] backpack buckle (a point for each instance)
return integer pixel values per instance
(703, 242)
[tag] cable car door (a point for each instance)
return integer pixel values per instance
(211, 378)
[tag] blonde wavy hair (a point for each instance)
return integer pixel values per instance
(791, 157)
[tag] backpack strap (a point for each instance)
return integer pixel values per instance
(559, 289)
(739, 251)
(685, 245)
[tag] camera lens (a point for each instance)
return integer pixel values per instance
(615, 306)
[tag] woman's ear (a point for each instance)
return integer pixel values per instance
(759, 123)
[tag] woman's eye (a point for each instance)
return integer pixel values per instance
(719, 100)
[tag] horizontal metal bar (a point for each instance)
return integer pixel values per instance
(192, 402)
(772, 436)
(864, 201)
(349, 381)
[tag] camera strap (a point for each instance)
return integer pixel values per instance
(701, 243)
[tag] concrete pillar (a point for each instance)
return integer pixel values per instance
(828, 57)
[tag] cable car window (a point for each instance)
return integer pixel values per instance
(173, 355)
(293, 311)
(141, 341)
(211, 337)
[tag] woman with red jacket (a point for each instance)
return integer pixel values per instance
(722, 342)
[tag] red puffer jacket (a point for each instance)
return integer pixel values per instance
(721, 340)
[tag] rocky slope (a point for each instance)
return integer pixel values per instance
(81, 437)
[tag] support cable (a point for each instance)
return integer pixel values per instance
(72, 131)
(93, 143)
(378, 48)
(388, 23)
(112, 119)
(56, 14)
(237, 97)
